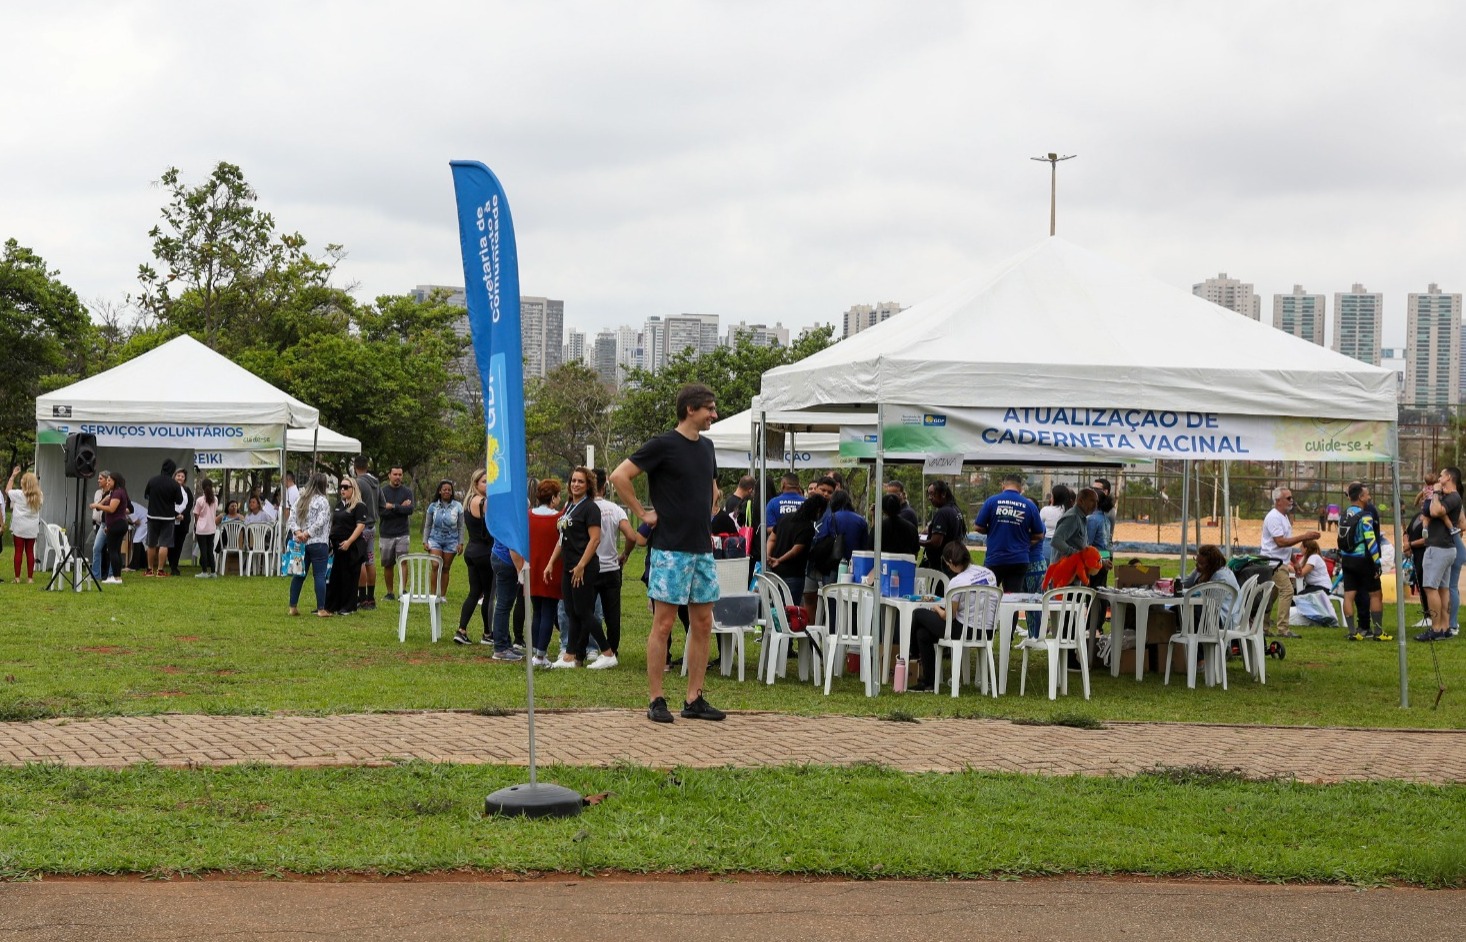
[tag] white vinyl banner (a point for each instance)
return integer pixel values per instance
(167, 435)
(1078, 434)
(205, 460)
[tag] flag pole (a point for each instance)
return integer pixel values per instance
(491, 290)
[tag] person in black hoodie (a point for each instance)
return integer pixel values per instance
(163, 497)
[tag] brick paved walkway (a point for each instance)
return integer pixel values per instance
(603, 737)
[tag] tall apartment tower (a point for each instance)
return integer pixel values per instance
(603, 354)
(861, 316)
(575, 347)
(629, 352)
(542, 329)
(1433, 348)
(1300, 314)
(1358, 320)
(760, 335)
(668, 336)
(1231, 294)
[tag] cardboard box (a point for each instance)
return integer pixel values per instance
(1135, 577)
(1154, 659)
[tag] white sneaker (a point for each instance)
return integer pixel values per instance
(603, 662)
(111, 580)
(562, 664)
(540, 661)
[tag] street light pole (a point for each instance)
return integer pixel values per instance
(1053, 162)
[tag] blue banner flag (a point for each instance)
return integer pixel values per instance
(491, 286)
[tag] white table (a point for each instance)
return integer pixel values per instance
(1142, 600)
(1014, 604)
(902, 607)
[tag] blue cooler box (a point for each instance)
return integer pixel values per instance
(861, 562)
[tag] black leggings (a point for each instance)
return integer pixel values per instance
(205, 543)
(580, 607)
(480, 586)
(116, 533)
(608, 589)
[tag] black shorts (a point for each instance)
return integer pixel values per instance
(1360, 575)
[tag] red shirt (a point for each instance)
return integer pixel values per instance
(543, 535)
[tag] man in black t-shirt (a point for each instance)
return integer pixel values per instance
(946, 525)
(738, 503)
(681, 468)
(163, 497)
(1443, 511)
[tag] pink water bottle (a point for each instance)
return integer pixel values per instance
(898, 682)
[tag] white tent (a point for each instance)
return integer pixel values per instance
(1061, 326)
(321, 439)
(733, 440)
(1062, 354)
(179, 401)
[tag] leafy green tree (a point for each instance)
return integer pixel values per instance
(649, 402)
(224, 273)
(567, 409)
(382, 377)
(46, 342)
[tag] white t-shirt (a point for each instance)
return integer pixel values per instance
(24, 522)
(972, 575)
(1319, 574)
(1050, 515)
(611, 517)
(1276, 524)
(139, 518)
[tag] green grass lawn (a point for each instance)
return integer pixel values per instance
(864, 821)
(227, 646)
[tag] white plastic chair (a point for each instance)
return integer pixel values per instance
(1063, 623)
(1201, 625)
(55, 547)
(231, 536)
(930, 582)
(972, 625)
(417, 577)
(259, 544)
(852, 614)
(774, 600)
(1254, 599)
(735, 614)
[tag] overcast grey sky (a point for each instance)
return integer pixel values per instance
(760, 161)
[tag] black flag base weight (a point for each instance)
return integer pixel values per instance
(534, 800)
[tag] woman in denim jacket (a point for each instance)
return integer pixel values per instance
(443, 531)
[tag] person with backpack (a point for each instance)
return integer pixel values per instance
(1359, 556)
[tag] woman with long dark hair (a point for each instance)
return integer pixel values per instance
(580, 536)
(477, 558)
(443, 531)
(205, 525)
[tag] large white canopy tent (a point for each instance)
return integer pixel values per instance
(1062, 355)
(180, 400)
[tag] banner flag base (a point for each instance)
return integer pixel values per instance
(534, 800)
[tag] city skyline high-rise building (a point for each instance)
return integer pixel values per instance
(1433, 348)
(603, 355)
(862, 316)
(1300, 314)
(1359, 324)
(1232, 294)
(666, 337)
(542, 329)
(760, 335)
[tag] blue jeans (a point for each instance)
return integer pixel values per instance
(506, 588)
(1455, 586)
(541, 623)
(595, 632)
(315, 564)
(99, 556)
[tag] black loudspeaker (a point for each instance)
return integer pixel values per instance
(81, 455)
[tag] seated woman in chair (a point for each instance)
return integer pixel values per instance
(1211, 566)
(929, 625)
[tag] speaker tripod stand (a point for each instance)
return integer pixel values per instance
(73, 570)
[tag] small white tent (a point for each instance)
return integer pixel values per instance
(180, 401)
(733, 440)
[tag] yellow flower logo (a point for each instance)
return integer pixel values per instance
(491, 460)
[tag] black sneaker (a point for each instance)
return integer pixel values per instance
(389, 597)
(700, 709)
(1441, 635)
(658, 712)
(461, 638)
